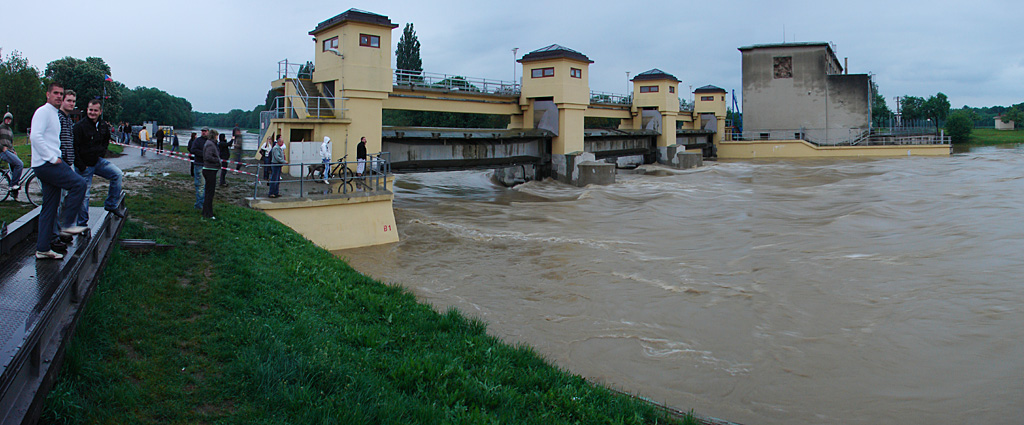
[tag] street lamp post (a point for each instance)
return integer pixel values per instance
(515, 51)
(627, 83)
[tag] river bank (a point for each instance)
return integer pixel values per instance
(245, 321)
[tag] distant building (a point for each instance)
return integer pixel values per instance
(1000, 125)
(799, 91)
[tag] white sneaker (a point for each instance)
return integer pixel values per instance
(74, 230)
(15, 187)
(326, 182)
(48, 255)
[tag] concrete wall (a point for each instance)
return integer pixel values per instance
(814, 98)
(337, 223)
(802, 149)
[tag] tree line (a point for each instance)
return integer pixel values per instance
(23, 88)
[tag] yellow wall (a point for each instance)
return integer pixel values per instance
(362, 68)
(337, 223)
(662, 99)
(802, 149)
(716, 106)
(562, 87)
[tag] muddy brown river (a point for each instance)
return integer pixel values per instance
(776, 292)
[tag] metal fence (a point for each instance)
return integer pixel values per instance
(402, 77)
(341, 177)
(287, 69)
(605, 98)
(851, 136)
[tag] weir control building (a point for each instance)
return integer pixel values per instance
(799, 91)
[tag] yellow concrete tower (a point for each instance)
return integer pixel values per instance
(656, 103)
(556, 76)
(353, 62)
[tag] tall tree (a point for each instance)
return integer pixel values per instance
(912, 108)
(88, 79)
(152, 104)
(880, 113)
(936, 108)
(407, 55)
(960, 124)
(21, 89)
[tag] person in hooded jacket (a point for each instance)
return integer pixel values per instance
(325, 155)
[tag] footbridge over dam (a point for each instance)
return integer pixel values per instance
(342, 94)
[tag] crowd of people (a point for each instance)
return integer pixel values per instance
(66, 155)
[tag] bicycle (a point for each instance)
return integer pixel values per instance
(342, 170)
(32, 187)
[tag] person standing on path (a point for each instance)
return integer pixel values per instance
(361, 156)
(225, 152)
(265, 151)
(92, 136)
(326, 151)
(174, 142)
(195, 148)
(143, 140)
(276, 160)
(236, 143)
(211, 163)
(159, 140)
(52, 172)
(7, 152)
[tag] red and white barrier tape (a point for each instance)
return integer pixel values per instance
(186, 157)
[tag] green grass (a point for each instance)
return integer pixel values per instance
(245, 321)
(989, 136)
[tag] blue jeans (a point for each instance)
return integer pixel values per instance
(200, 190)
(109, 171)
(275, 180)
(55, 177)
(16, 165)
(144, 146)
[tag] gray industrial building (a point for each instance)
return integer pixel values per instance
(799, 91)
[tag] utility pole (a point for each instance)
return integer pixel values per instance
(515, 51)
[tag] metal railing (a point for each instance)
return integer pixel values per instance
(604, 98)
(315, 106)
(852, 137)
(402, 77)
(341, 177)
(286, 69)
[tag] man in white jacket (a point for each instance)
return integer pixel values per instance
(325, 154)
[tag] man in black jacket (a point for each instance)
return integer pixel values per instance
(195, 147)
(91, 138)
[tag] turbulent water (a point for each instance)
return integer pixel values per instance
(838, 291)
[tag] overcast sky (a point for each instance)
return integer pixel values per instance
(222, 55)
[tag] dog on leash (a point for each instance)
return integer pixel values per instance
(313, 169)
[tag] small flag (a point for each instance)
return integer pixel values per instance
(108, 78)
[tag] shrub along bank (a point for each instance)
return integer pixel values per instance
(245, 321)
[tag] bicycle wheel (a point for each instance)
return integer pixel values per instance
(5, 184)
(34, 190)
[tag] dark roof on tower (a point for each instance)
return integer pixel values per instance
(355, 15)
(552, 52)
(709, 89)
(654, 74)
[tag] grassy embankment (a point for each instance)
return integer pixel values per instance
(990, 136)
(247, 322)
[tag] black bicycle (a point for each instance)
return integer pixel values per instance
(30, 185)
(341, 170)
